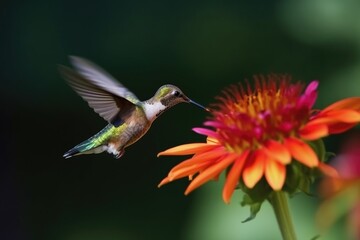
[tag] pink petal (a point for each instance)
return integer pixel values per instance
(214, 124)
(206, 132)
(311, 93)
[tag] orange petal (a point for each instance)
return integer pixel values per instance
(277, 151)
(347, 116)
(211, 172)
(347, 103)
(301, 152)
(328, 170)
(164, 181)
(211, 140)
(233, 176)
(187, 149)
(187, 170)
(337, 121)
(216, 177)
(334, 116)
(340, 127)
(314, 131)
(275, 173)
(329, 186)
(254, 169)
(200, 158)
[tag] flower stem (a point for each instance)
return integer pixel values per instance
(279, 202)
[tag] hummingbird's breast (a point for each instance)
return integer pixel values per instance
(133, 128)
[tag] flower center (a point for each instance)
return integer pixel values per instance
(273, 109)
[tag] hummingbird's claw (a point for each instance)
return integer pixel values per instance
(119, 154)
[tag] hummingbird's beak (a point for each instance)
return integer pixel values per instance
(199, 105)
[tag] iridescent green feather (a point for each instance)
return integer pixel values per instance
(98, 140)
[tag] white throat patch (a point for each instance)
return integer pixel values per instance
(151, 110)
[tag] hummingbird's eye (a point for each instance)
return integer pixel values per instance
(177, 93)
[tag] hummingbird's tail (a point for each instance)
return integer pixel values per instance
(86, 147)
(95, 144)
(72, 152)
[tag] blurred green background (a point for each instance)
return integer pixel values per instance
(200, 46)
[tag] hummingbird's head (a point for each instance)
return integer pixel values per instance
(166, 97)
(170, 95)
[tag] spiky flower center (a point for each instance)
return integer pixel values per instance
(248, 117)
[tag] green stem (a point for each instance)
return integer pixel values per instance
(279, 202)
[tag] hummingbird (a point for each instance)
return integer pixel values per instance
(128, 118)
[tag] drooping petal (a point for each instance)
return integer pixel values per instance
(301, 152)
(314, 131)
(187, 149)
(277, 151)
(275, 174)
(254, 169)
(233, 176)
(328, 170)
(211, 172)
(347, 103)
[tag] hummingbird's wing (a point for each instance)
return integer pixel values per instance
(102, 95)
(99, 77)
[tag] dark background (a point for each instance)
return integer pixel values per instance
(201, 47)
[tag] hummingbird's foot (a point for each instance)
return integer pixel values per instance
(112, 149)
(119, 154)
